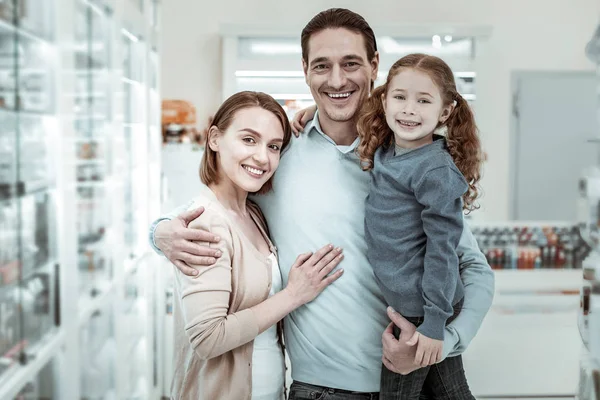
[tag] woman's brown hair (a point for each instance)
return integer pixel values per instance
(209, 168)
(462, 135)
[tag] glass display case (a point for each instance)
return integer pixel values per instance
(42, 386)
(135, 141)
(91, 110)
(98, 357)
(133, 321)
(75, 145)
(28, 133)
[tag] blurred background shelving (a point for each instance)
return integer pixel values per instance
(78, 79)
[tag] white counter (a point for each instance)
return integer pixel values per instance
(529, 344)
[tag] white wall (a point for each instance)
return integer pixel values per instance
(527, 35)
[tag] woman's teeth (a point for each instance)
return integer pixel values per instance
(254, 170)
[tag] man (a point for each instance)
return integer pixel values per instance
(335, 342)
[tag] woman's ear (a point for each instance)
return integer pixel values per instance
(446, 112)
(212, 139)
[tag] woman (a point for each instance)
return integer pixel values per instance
(226, 337)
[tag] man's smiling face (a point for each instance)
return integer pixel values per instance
(339, 73)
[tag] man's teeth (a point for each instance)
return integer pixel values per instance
(254, 170)
(409, 123)
(339, 95)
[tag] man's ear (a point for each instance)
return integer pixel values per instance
(305, 69)
(375, 66)
(213, 138)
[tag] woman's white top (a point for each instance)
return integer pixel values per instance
(268, 364)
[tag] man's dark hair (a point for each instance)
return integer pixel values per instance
(339, 18)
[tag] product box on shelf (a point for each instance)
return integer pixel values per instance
(9, 9)
(37, 299)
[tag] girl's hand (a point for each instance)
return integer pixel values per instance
(301, 118)
(429, 351)
(309, 275)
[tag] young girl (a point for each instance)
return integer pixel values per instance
(421, 183)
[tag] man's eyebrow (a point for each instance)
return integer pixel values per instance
(348, 57)
(352, 57)
(319, 60)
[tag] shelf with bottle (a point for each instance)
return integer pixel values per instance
(41, 386)
(26, 83)
(26, 245)
(95, 280)
(27, 313)
(26, 165)
(22, 189)
(18, 374)
(531, 245)
(589, 315)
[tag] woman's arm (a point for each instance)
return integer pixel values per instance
(204, 301)
(212, 331)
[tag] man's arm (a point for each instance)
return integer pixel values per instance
(171, 237)
(167, 217)
(478, 281)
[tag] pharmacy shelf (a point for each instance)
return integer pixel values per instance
(89, 304)
(23, 188)
(130, 264)
(88, 62)
(8, 27)
(26, 113)
(47, 266)
(17, 376)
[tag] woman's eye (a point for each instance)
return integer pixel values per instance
(275, 147)
(424, 101)
(249, 140)
(399, 97)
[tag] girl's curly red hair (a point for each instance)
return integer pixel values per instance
(462, 135)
